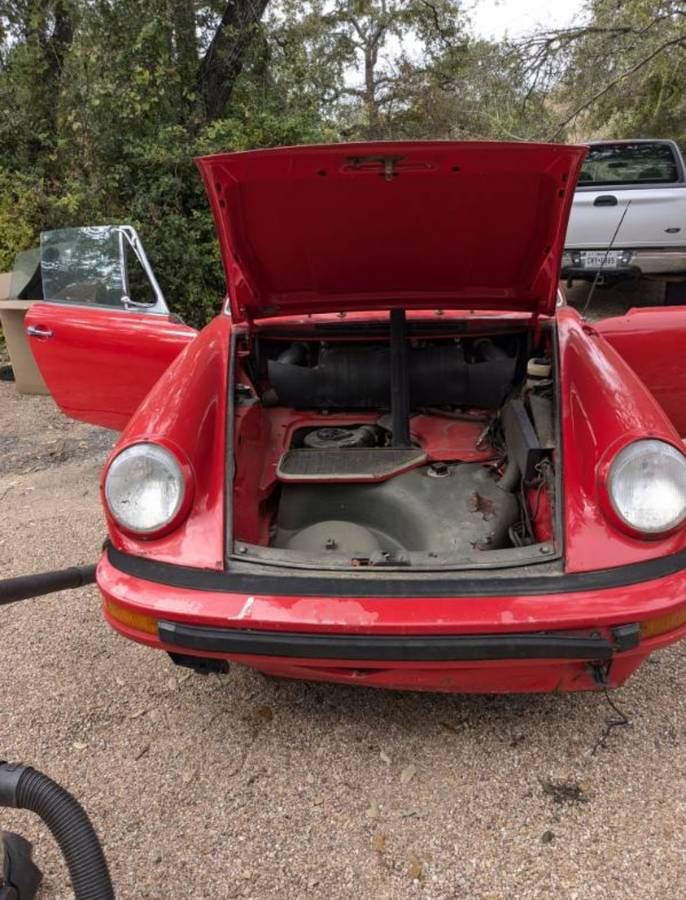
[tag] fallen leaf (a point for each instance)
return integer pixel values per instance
(372, 810)
(379, 842)
(414, 870)
(385, 758)
(79, 745)
(408, 774)
(265, 713)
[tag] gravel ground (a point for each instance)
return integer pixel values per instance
(239, 786)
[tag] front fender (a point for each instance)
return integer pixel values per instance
(604, 405)
(187, 408)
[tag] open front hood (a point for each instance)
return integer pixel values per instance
(383, 225)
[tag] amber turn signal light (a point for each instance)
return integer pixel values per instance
(663, 624)
(137, 621)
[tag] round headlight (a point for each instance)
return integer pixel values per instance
(144, 488)
(647, 486)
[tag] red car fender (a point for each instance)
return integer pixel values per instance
(604, 406)
(187, 409)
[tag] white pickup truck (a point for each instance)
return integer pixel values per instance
(628, 218)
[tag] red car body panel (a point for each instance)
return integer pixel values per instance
(101, 363)
(653, 343)
(417, 218)
(604, 406)
(608, 385)
(187, 409)
(410, 616)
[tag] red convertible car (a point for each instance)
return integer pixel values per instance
(396, 458)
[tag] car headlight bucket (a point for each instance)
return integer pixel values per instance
(646, 486)
(146, 489)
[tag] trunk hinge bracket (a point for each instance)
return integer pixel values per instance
(389, 164)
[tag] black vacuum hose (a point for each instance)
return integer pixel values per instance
(22, 787)
(23, 587)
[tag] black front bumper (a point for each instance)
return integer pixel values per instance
(581, 273)
(401, 648)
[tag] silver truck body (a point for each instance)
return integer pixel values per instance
(628, 218)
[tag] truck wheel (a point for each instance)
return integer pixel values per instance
(675, 293)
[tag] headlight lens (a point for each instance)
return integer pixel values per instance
(144, 488)
(647, 486)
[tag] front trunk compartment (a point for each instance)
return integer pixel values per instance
(409, 444)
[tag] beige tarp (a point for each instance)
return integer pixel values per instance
(12, 312)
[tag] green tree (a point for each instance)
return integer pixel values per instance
(104, 103)
(102, 107)
(620, 72)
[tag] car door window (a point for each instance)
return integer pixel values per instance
(642, 162)
(82, 265)
(98, 266)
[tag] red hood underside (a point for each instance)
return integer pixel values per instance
(382, 225)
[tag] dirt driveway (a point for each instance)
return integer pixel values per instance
(243, 787)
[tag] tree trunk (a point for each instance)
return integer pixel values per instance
(182, 15)
(223, 61)
(371, 106)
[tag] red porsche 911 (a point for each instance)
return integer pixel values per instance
(396, 458)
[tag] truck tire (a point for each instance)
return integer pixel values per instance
(675, 293)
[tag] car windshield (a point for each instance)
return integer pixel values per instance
(83, 265)
(643, 162)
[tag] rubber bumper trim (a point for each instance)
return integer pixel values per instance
(381, 648)
(391, 585)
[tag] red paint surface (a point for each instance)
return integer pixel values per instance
(541, 506)
(492, 615)
(653, 343)
(187, 410)
(100, 364)
(305, 229)
(461, 321)
(604, 406)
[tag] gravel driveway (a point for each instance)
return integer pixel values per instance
(239, 786)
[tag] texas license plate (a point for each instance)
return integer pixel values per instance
(593, 259)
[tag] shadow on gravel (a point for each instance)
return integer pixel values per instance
(514, 722)
(22, 455)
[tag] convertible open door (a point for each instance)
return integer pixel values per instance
(652, 340)
(103, 335)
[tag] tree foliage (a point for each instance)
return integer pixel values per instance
(621, 72)
(104, 103)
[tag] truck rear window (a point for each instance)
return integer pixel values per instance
(640, 163)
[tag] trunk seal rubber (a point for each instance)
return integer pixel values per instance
(403, 648)
(385, 584)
